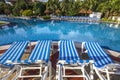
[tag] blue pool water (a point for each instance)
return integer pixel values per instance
(108, 35)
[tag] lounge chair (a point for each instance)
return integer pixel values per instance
(38, 59)
(14, 53)
(102, 62)
(69, 59)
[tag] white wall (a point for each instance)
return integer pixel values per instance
(95, 15)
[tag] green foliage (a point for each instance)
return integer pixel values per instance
(109, 7)
(107, 20)
(7, 11)
(65, 7)
(2, 1)
(30, 6)
(2, 7)
(20, 4)
(39, 8)
(5, 8)
(47, 17)
(27, 13)
(104, 19)
(53, 5)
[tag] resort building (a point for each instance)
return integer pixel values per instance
(95, 15)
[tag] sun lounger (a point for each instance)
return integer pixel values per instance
(38, 59)
(102, 62)
(69, 59)
(14, 53)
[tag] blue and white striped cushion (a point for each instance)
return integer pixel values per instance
(14, 53)
(97, 54)
(9, 49)
(41, 51)
(68, 51)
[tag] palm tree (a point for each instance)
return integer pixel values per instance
(49, 5)
(108, 8)
(2, 7)
(56, 5)
(57, 12)
(39, 8)
(115, 6)
(20, 5)
(52, 5)
(64, 6)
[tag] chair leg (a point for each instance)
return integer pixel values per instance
(9, 73)
(108, 76)
(91, 72)
(88, 76)
(83, 73)
(59, 72)
(17, 74)
(99, 74)
(44, 74)
(50, 71)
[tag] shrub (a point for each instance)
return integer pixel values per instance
(27, 13)
(107, 20)
(39, 8)
(104, 19)
(19, 5)
(46, 17)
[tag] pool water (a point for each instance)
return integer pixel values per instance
(108, 35)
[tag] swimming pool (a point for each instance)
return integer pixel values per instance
(108, 35)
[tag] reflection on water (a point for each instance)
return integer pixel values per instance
(114, 25)
(57, 30)
(52, 22)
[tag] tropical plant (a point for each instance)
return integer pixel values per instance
(108, 8)
(5, 8)
(27, 13)
(39, 8)
(20, 4)
(64, 7)
(47, 17)
(57, 12)
(53, 5)
(2, 7)
(2, 1)
(49, 5)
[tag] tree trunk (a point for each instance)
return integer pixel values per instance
(107, 14)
